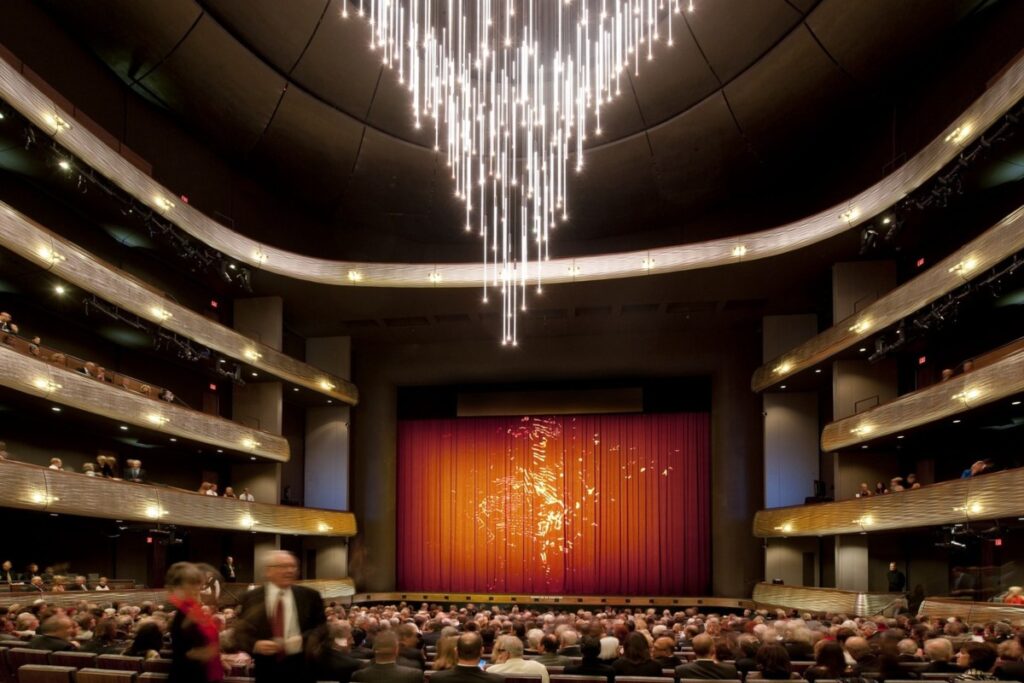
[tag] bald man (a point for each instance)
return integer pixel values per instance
(276, 621)
(54, 634)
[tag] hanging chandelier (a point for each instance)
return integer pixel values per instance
(512, 88)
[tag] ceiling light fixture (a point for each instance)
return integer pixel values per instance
(512, 89)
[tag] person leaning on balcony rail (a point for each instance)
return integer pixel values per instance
(56, 464)
(1014, 596)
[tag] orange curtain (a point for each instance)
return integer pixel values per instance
(566, 505)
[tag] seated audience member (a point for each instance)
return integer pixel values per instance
(1014, 596)
(590, 665)
(211, 490)
(89, 369)
(410, 653)
(636, 658)
(8, 575)
(911, 482)
(54, 634)
(508, 660)
(105, 465)
(907, 649)
(102, 585)
(880, 489)
(147, 641)
(611, 648)
(59, 359)
(773, 664)
(25, 625)
(549, 652)
(79, 584)
(705, 664)
(896, 484)
(978, 660)
(36, 584)
(86, 625)
(33, 348)
(246, 496)
(6, 324)
(230, 572)
(89, 469)
(229, 492)
(134, 472)
(974, 470)
(829, 662)
(747, 646)
(939, 652)
(101, 373)
(56, 464)
(59, 584)
(329, 653)
(167, 395)
(468, 649)
(860, 650)
(446, 657)
(3, 451)
(798, 645)
(569, 646)
(146, 390)
(663, 652)
(1009, 666)
(864, 491)
(204, 487)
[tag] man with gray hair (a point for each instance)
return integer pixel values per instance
(385, 666)
(508, 655)
(54, 634)
(939, 651)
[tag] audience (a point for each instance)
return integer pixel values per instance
(978, 661)
(507, 659)
(636, 658)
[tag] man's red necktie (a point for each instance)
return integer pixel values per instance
(277, 620)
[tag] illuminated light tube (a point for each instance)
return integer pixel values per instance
(163, 203)
(782, 368)
(326, 385)
(57, 122)
(253, 354)
(46, 384)
(860, 327)
(959, 134)
(161, 313)
(739, 251)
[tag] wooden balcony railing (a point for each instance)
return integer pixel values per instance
(31, 487)
(998, 375)
(37, 377)
(987, 496)
(67, 260)
(851, 603)
(999, 242)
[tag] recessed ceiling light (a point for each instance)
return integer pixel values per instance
(255, 374)
(55, 409)
(783, 386)
(295, 389)
(818, 371)
(59, 289)
(220, 450)
(900, 436)
(1015, 403)
(252, 457)
(173, 440)
(863, 349)
(864, 446)
(330, 401)
(124, 428)
(956, 422)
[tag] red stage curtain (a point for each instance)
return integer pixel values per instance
(567, 505)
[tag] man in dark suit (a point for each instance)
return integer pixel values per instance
(410, 653)
(276, 621)
(134, 472)
(569, 647)
(705, 665)
(384, 666)
(54, 635)
(591, 664)
(468, 648)
(663, 652)
(432, 633)
(8, 575)
(79, 584)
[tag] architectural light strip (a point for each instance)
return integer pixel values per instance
(76, 266)
(1001, 96)
(996, 244)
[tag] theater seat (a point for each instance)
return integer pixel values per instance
(45, 673)
(639, 679)
(565, 678)
(157, 666)
(120, 663)
(522, 679)
(18, 657)
(79, 660)
(105, 676)
(151, 676)
(239, 679)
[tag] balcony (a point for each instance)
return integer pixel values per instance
(31, 487)
(996, 375)
(997, 243)
(826, 599)
(52, 380)
(73, 264)
(989, 496)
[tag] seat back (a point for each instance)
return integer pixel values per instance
(522, 678)
(45, 673)
(157, 666)
(120, 663)
(239, 679)
(92, 675)
(639, 679)
(79, 660)
(937, 676)
(151, 676)
(18, 657)
(572, 678)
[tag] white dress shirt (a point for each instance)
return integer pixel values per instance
(248, 497)
(292, 632)
(518, 665)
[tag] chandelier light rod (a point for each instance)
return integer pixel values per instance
(511, 88)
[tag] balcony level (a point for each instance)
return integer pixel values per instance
(989, 496)
(31, 487)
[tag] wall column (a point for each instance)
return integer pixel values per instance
(852, 562)
(327, 430)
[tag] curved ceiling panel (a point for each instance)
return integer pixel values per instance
(277, 31)
(324, 160)
(216, 83)
(143, 34)
(771, 106)
(733, 34)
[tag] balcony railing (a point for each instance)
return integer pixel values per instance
(853, 603)
(987, 496)
(67, 260)
(31, 487)
(34, 376)
(998, 376)
(999, 242)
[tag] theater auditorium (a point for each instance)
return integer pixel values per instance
(553, 341)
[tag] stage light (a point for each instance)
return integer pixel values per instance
(326, 385)
(64, 164)
(157, 419)
(959, 134)
(739, 251)
(253, 354)
(355, 276)
(783, 368)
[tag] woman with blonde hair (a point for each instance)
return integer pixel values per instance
(446, 658)
(1013, 596)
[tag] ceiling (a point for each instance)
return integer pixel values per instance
(763, 111)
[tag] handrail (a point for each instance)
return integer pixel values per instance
(815, 599)
(987, 496)
(1001, 378)
(66, 259)
(36, 377)
(76, 364)
(1002, 240)
(31, 487)
(41, 110)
